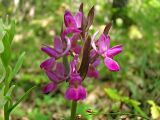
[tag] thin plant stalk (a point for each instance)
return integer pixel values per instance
(6, 113)
(73, 110)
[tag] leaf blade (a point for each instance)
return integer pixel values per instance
(22, 98)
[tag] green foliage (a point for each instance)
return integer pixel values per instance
(8, 74)
(20, 100)
(36, 114)
(6, 41)
(17, 67)
(155, 109)
(113, 94)
(82, 110)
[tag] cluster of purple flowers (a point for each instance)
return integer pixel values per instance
(84, 50)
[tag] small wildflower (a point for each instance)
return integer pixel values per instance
(104, 50)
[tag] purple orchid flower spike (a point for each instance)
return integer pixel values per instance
(103, 49)
(75, 46)
(75, 91)
(72, 23)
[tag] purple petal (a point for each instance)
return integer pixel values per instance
(81, 93)
(74, 38)
(78, 19)
(74, 45)
(76, 49)
(75, 78)
(93, 42)
(103, 43)
(70, 30)
(96, 62)
(60, 69)
(50, 51)
(50, 87)
(57, 74)
(92, 72)
(73, 64)
(73, 93)
(93, 54)
(111, 64)
(52, 76)
(69, 20)
(58, 46)
(48, 64)
(114, 50)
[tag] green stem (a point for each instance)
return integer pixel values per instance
(66, 64)
(73, 110)
(6, 113)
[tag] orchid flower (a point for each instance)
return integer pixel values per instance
(102, 47)
(60, 49)
(75, 91)
(72, 23)
(55, 72)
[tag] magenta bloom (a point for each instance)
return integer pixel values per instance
(103, 49)
(55, 72)
(72, 23)
(75, 91)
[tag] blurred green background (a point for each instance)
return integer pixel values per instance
(136, 25)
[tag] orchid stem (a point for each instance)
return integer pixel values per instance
(73, 110)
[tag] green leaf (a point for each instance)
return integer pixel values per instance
(17, 67)
(82, 110)
(113, 94)
(7, 97)
(9, 93)
(155, 109)
(3, 74)
(11, 31)
(7, 40)
(22, 98)
(2, 33)
(1, 46)
(2, 100)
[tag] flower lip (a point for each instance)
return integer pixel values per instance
(76, 94)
